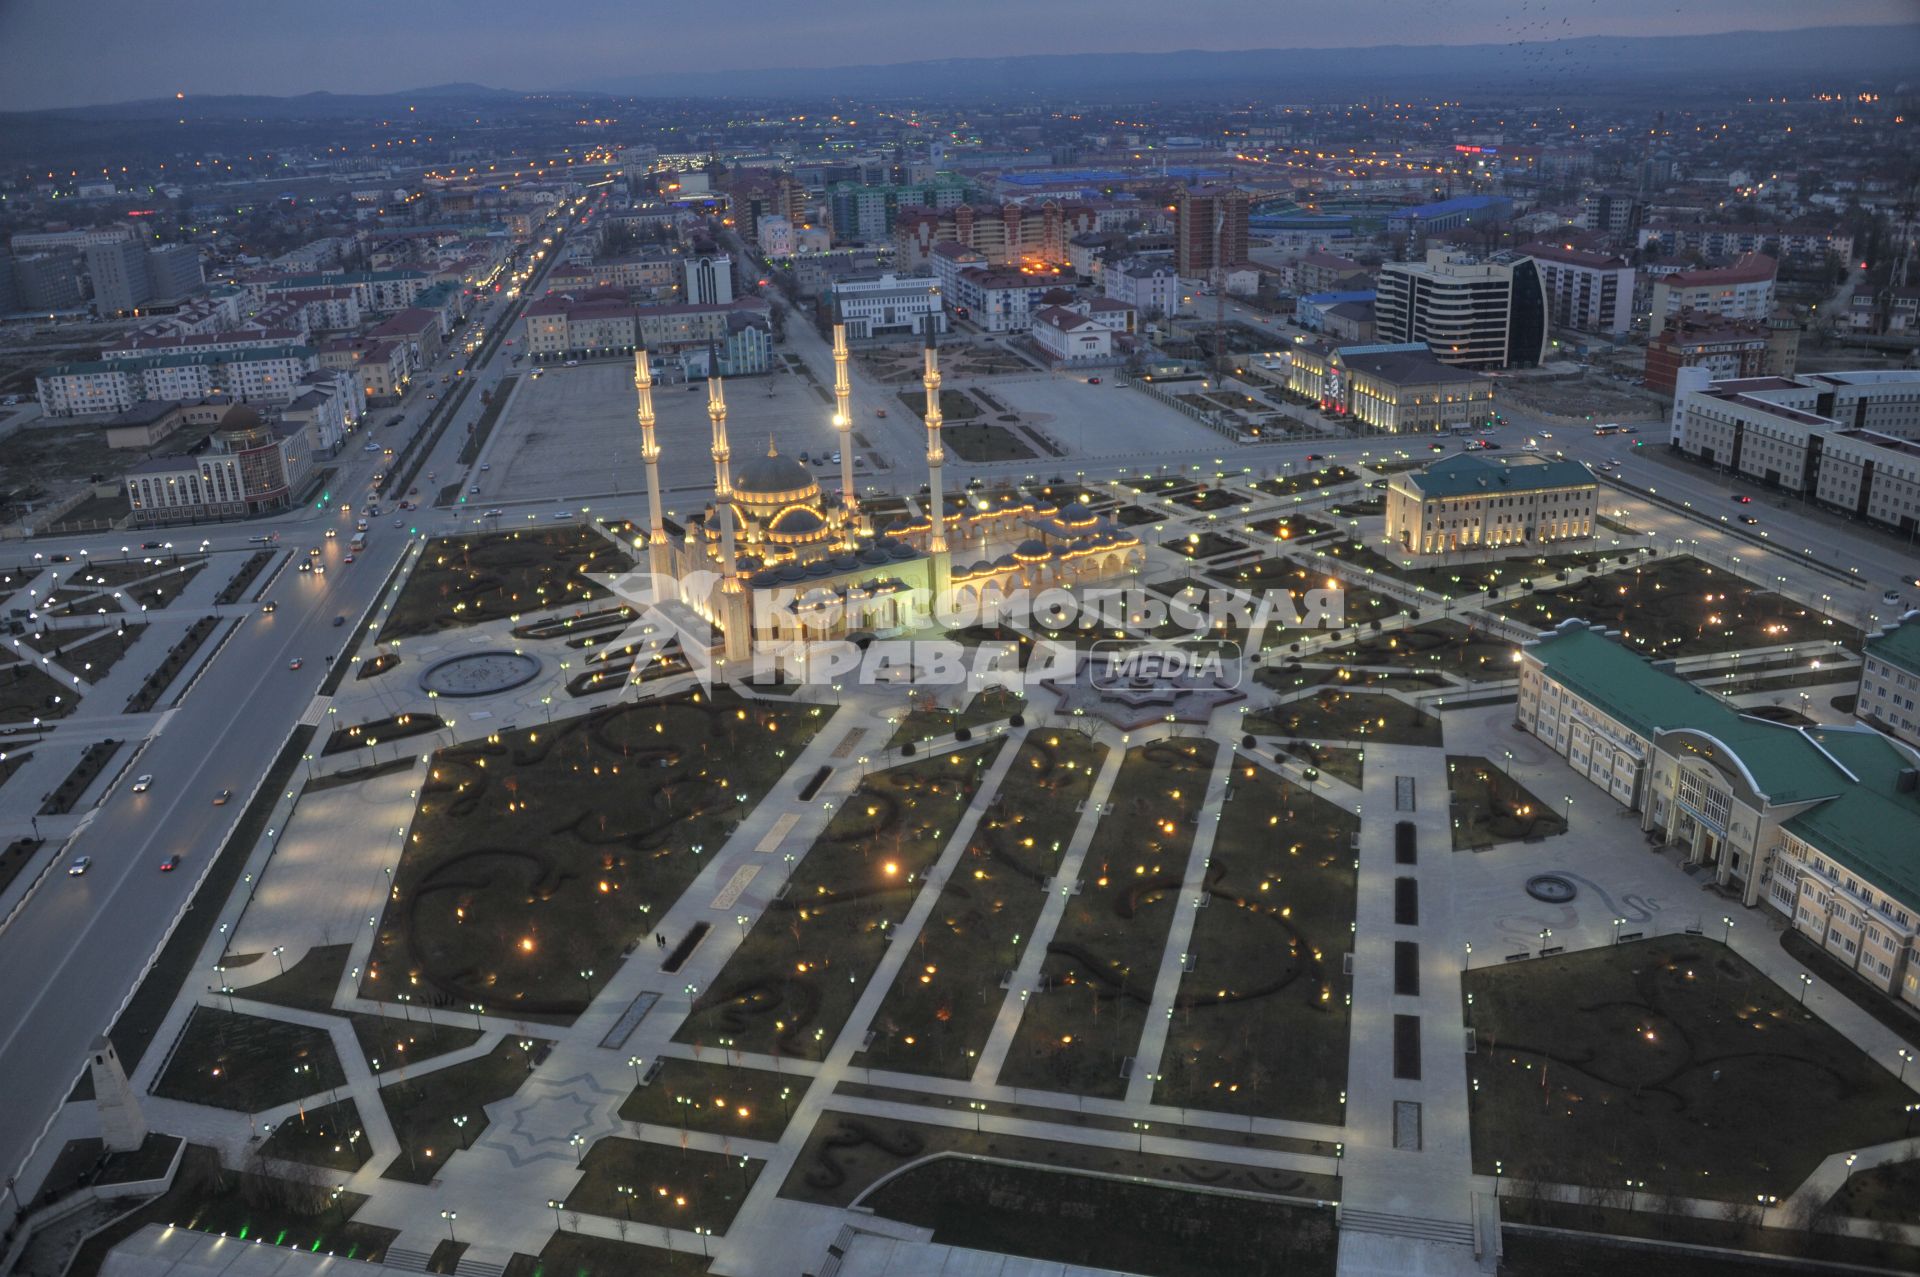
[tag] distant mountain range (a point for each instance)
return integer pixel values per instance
(1682, 66)
(1586, 65)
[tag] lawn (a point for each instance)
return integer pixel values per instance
(1653, 1060)
(1460, 579)
(1203, 545)
(1889, 1191)
(1490, 807)
(247, 1062)
(540, 854)
(390, 728)
(791, 984)
(663, 1185)
(845, 1154)
(1289, 527)
(1680, 607)
(1082, 1026)
(1207, 499)
(328, 1136)
(466, 580)
(391, 1042)
(27, 694)
(984, 443)
(721, 1099)
(308, 985)
(1444, 646)
(88, 650)
(1260, 1022)
(955, 405)
(1337, 714)
(1357, 605)
(1293, 676)
(929, 718)
(1336, 761)
(942, 1006)
(1157, 1230)
(423, 1106)
(584, 1255)
(1307, 481)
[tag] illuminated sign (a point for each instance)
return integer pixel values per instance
(1465, 149)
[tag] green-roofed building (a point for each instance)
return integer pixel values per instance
(1820, 823)
(1890, 680)
(1478, 501)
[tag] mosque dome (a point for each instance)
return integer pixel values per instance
(771, 475)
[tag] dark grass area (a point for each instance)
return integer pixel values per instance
(1351, 607)
(84, 1162)
(1079, 1030)
(1203, 545)
(955, 405)
(942, 1006)
(1456, 580)
(544, 852)
(929, 718)
(1336, 761)
(575, 1254)
(1650, 1060)
(1738, 1227)
(466, 580)
(669, 1187)
(247, 1062)
(1445, 646)
(971, 441)
(26, 694)
(1680, 607)
(1260, 1021)
(1050, 1215)
(423, 1106)
(1843, 981)
(391, 1042)
(846, 1153)
(716, 1098)
(328, 1135)
(1293, 676)
(308, 985)
(298, 1214)
(17, 856)
(1890, 1191)
(1338, 714)
(1490, 807)
(1307, 481)
(1289, 527)
(373, 731)
(793, 981)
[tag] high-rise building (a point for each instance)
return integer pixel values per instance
(1210, 230)
(174, 270)
(1743, 290)
(709, 279)
(49, 281)
(1470, 314)
(1590, 292)
(119, 273)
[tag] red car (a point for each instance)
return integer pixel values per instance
(170, 864)
(1743, 500)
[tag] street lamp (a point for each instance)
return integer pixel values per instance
(1726, 933)
(556, 1212)
(277, 951)
(1616, 929)
(1906, 1058)
(1851, 1159)
(1806, 982)
(460, 1124)
(450, 1216)
(626, 1192)
(1546, 934)
(1499, 1172)
(1469, 955)
(1140, 1130)
(978, 1107)
(578, 1141)
(636, 1062)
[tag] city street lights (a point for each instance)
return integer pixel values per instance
(1851, 1159)
(579, 1143)
(450, 1216)
(1546, 934)
(978, 1108)
(1633, 1193)
(1469, 955)
(278, 950)
(1806, 982)
(1499, 1172)
(556, 1213)
(460, 1124)
(1726, 930)
(1140, 1130)
(1906, 1057)
(1616, 929)
(636, 1062)
(626, 1192)
(1910, 1111)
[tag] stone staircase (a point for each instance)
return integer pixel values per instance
(1412, 1226)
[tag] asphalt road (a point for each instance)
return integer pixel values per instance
(72, 954)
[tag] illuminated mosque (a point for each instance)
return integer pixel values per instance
(794, 561)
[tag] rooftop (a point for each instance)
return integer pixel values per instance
(1469, 474)
(1862, 818)
(1748, 268)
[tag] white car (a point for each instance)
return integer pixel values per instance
(141, 784)
(79, 866)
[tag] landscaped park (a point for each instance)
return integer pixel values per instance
(791, 984)
(1490, 807)
(539, 854)
(1679, 607)
(467, 580)
(1260, 1020)
(942, 1006)
(1671, 1062)
(1083, 1025)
